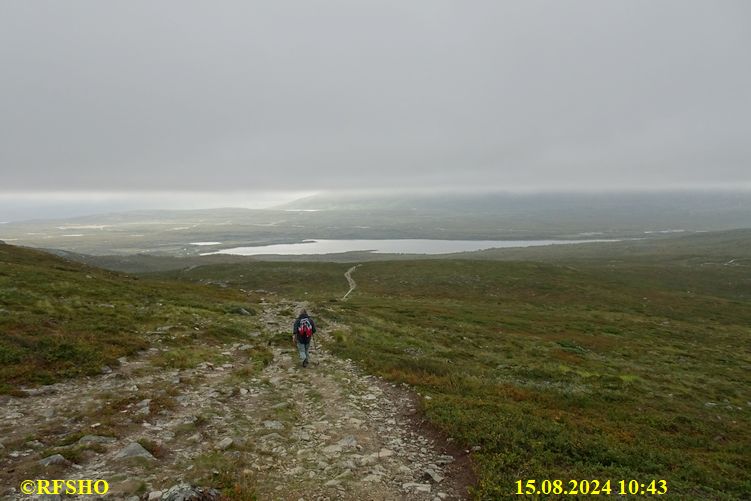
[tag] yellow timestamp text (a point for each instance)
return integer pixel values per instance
(591, 487)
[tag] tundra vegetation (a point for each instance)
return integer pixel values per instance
(61, 319)
(612, 368)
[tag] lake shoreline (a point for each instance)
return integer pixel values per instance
(392, 246)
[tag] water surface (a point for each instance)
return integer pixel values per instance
(395, 246)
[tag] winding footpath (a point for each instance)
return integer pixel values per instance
(350, 281)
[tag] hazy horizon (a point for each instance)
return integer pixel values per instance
(24, 206)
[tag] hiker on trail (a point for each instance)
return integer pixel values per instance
(302, 333)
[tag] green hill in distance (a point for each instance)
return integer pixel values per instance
(441, 216)
(724, 248)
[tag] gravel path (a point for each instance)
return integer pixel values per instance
(351, 281)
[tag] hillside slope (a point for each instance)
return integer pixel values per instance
(61, 318)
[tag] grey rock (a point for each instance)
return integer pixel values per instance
(95, 439)
(187, 492)
(42, 390)
(154, 495)
(433, 475)
(133, 450)
(347, 464)
(303, 435)
(384, 453)
(273, 425)
(54, 459)
(332, 449)
(225, 443)
(272, 437)
(348, 442)
(413, 486)
(345, 474)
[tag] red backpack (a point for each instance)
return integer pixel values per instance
(305, 329)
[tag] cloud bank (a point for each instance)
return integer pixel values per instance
(309, 95)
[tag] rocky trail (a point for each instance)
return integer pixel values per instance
(285, 432)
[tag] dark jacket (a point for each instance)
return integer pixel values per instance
(297, 326)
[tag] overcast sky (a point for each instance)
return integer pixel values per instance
(308, 95)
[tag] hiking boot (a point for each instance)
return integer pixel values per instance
(305, 362)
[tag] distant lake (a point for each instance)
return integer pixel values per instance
(397, 246)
